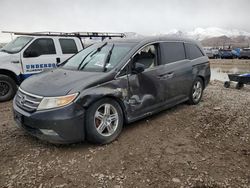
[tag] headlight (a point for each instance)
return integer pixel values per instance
(55, 102)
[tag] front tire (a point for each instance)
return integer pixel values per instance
(227, 84)
(196, 91)
(8, 88)
(104, 121)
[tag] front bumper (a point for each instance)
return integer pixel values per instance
(66, 124)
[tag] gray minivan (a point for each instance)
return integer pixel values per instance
(101, 88)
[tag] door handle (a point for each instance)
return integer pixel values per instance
(15, 62)
(166, 76)
(170, 75)
(58, 60)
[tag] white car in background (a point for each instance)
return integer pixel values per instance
(211, 52)
(208, 51)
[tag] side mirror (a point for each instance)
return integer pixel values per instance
(30, 54)
(139, 68)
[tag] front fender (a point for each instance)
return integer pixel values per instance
(7, 66)
(10, 62)
(91, 95)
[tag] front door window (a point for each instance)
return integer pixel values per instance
(147, 57)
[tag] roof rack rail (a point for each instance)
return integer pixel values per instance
(70, 34)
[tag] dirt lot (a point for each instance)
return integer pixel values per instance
(207, 145)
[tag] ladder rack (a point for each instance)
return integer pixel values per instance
(103, 35)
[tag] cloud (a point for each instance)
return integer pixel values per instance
(143, 16)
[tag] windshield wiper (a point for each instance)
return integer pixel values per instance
(108, 58)
(97, 50)
(83, 61)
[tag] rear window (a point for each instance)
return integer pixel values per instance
(172, 51)
(193, 51)
(68, 46)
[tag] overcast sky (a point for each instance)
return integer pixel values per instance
(142, 16)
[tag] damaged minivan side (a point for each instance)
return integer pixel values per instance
(94, 93)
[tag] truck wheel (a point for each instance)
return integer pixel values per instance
(196, 91)
(104, 121)
(239, 85)
(226, 84)
(8, 88)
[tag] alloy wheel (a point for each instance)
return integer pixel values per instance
(106, 119)
(197, 91)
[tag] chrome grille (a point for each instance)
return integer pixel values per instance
(27, 101)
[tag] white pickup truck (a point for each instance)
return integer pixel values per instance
(31, 53)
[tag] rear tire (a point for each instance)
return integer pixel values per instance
(196, 91)
(8, 88)
(104, 121)
(239, 85)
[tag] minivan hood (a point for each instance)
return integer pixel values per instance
(59, 82)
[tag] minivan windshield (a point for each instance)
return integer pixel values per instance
(99, 57)
(16, 45)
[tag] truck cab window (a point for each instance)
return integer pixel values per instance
(43, 46)
(68, 46)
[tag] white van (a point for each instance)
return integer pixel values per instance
(32, 53)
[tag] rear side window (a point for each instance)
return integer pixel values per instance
(68, 46)
(193, 51)
(172, 51)
(43, 46)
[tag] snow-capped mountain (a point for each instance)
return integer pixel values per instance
(198, 33)
(211, 36)
(201, 33)
(133, 35)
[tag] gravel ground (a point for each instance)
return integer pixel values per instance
(207, 145)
